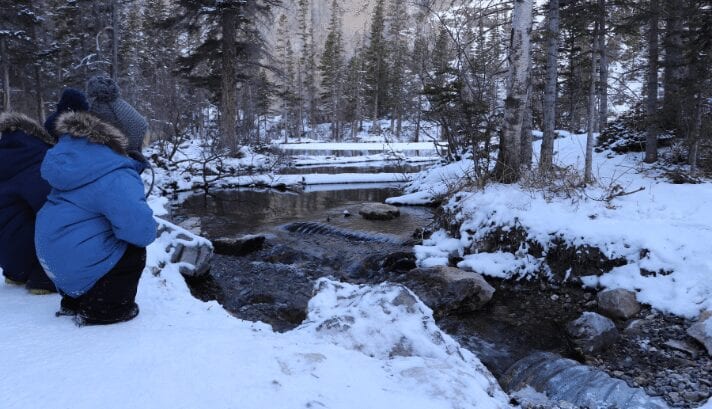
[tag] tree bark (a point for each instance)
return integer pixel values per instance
(5, 75)
(39, 99)
(651, 141)
(527, 152)
(695, 136)
(603, 68)
(228, 107)
(114, 41)
(508, 165)
(592, 117)
(552, 54)
(673, 66)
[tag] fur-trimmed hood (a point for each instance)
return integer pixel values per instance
(12, 121)
(86, 125)
(81, 155)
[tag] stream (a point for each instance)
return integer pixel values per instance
(319, 233)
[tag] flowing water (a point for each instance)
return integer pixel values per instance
(320, 233)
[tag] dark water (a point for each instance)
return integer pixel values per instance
(245, 211)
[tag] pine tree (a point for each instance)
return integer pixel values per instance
(397, 50)
(17, 19)
(306, 75)
(285, 86)
(225, 35)
(355, 91)
(376, 66)
(331, 67)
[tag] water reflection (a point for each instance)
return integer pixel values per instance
(234, 212)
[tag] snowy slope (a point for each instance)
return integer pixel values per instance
(665, 228)
(183, 353)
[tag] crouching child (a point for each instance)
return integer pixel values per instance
(92, 233)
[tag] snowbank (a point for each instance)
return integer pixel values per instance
(184, 353)
(187, 172)
(664, 231)
(432, 185)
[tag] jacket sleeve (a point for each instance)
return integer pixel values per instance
(121, 200)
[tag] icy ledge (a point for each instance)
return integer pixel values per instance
(374, 347)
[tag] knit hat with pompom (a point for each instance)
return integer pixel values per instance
(107, 104)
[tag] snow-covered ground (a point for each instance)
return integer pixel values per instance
(361, 347)
(664, 229)
(186, 169)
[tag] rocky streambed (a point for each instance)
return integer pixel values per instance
(272, 249)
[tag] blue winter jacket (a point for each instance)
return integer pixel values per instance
(96, 206)
(23, 144)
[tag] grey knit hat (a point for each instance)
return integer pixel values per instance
(106, 103)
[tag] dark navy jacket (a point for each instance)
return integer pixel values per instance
(23, 144)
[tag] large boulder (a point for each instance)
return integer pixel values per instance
(378, 211)
(618, 304)
(448, 289)
(239, 246)
(702, 331)
(592, 333)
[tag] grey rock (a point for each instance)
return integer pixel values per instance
(192, 224)
(193, 252)
(592, 333)
(618, 304)
(448, 289)
(634, 327)
(239, 246)
(702, 331)
(378, 211)
(681, 346)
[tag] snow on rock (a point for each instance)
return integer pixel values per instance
(191, 253)
(389, 323)
(500, 264)
(184, 353)
(430, 186)
(662, 232)
(378, 211)
(702, 331)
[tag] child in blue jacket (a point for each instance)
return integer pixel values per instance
(92, 233)
(23, 144)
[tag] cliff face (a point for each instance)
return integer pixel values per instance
(356, 14)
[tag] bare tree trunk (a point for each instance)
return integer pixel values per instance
(5, 75)
(603, 68)
(527, 152)
(508, 165)
(695, 136)
(376, 127)
(651, 141)
(228, 106)
(114, 41)
(673, 66)
(39, 99)
(552, 54)
(300, 93)
(588, 172)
